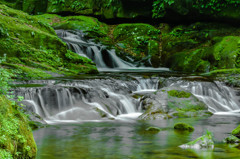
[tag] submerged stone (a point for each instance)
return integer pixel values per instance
(236, 131)
(183, 127)
(153, 129)
(203, 142)
(231, 139)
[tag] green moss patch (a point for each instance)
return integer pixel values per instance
(16, 139)
(183, 126)
(236, 131)
(31, 43)
(179, 94)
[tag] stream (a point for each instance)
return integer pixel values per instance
(96, 116)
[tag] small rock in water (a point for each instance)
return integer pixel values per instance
(231, 140)
(183, 127)
(203, 142)
(153, 129)
(236, 131)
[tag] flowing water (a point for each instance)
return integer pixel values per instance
(96, 116)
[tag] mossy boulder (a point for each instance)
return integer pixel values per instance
(201, 48)
(203, 142)
(231, 139)
(153, 129)
(92, 27)
(16, 138)
(183, 127)
(236, 131)
(178, 103)
(32, 47)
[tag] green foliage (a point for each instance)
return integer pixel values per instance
(57, 2)
(16, 140)
(5, 77)
(236, 131)
(159, 6)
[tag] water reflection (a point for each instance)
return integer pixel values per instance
(113, 140)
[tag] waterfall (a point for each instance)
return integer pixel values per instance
(103, 57)
(97, 99)
(219, 98)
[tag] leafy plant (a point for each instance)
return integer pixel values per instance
(5, 77)
(159, 6)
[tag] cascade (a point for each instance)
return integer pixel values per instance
(219, 98)
(109, 98)
(105, 59)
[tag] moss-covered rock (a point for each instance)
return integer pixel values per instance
(153, 129)
(236, 131)
(183, 127)
(32, 47)
(177, 103)
(89, 25)
(203, 142)
(16, 139)
(201, 48)
(231, 139)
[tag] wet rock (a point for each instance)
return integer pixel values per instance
(153, 129)
(231, 140)
(183, 127)
(236, 132)
(203, 142)
(172, 102)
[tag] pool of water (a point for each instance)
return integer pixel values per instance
(129, 139)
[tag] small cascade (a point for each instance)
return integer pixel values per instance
(96, 99)
(98, 53)
(80, 100)
(219, 98)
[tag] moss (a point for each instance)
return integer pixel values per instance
(183, 126)
(205, 141)
(231, 139)
(236, 131)
(153, 129)
(16, 136)
(28, 41)
(89, 25)
(201, 47)
(179, 94)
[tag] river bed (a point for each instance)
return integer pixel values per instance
(129, 139)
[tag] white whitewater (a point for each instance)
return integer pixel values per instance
(219, 98)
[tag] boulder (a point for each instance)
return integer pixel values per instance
(203, 142)
(172, 102)
(183, 127)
